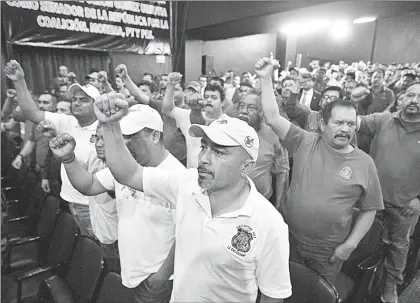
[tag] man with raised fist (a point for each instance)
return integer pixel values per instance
(330, 177)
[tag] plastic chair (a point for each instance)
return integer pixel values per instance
(112, 290)
(81, 281)
(309, 286)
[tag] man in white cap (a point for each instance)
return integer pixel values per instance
(146, 224)
(81, 126)
(230, 241)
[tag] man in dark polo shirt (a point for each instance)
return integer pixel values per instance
(330, 178)
(382, 97)
(396, 151)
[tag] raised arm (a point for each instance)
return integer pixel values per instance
(109, 110)
(168, 99)
(294, 109)
(14, 72)
(264, 70)
(8, 105)
(103, 78)
(122, 72)
(63, 147)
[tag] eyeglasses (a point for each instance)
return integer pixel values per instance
(288, 85)
(329, 98)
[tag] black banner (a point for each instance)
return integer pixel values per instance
(131, 26)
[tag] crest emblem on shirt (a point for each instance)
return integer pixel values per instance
(241, 242)
(345, 173)
(249, 142)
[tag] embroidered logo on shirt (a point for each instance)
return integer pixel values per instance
(346, 173)
(249, 142)
(221, 121)
(241, 242)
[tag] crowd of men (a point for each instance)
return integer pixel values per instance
(204, 192)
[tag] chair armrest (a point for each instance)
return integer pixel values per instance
(26, 240)
(34, 272)
(18, 219)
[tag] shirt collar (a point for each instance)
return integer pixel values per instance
(91, 127)
(413, 126)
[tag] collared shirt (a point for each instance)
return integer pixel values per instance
(306, 97)
(84, 147)
(146, 226)
(395, 149)
(325, 186)
(272, 159)
(380, 100)
(228, 257)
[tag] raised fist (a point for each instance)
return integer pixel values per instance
(14, 71)
(264, 67)
(102, 76)
(174, 78)
(195, 101)
(17, 162)
(121, 71)
(63, 146)
(359, 93)
(47, 128)
(11, 93)
(110, 108)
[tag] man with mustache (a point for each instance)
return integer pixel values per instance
(272, 159)
(330, 178)
(395, 149)
(230, 241)
(146, 224)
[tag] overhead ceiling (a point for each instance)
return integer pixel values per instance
(212, 20)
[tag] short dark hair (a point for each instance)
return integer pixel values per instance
(151, 85)
(333, 88)
(327, 110)
(352, 75)
(164, 75)
(219, 79)
(411, 75)
(148, 74)
(381, 71)
(247, 83)
(54, 98)
(287, 78)
(216, 88)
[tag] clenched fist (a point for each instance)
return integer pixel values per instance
(11, 93)
(264, 67)
(110, 108)
(63, 146)
(359, 93)
(195, 101)
(47, 128)
(174, 78)
(121, 71)
(14, 71)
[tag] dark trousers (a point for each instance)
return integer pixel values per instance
(143, 293)
(316, 258)
(398, 230)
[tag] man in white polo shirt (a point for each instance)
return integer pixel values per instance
(146, 225)
(81, 125)
(230, 241)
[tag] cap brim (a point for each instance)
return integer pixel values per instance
(75, 87)
(194, 88)
(128, 125)
(215, 135)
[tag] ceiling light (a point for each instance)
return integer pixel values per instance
(364, 20)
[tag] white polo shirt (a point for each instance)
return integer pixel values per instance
(84, 147)
(146, 226)
(225, 258)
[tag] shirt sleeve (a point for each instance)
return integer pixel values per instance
(160, 184)
(295, 138)
(296, 111)
(372, 197)
(281, 159)
(273, 278)
(106, 178)
(182, 118)
(62, 122)
(370, 124)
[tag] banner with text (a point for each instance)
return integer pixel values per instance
(132, 26)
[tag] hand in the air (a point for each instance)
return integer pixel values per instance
(121, 71)
(110, 108)
(47, 128)
(359, 93)
(11, 93)
(264, 67)
(17, 162)
(63, 146)
(174, 78)
(195, 101)
(45, 185)
(14, 71)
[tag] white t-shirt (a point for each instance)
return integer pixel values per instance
(83, 150)
(146, 226)
(225, 258)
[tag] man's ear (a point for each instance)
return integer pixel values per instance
(247, 166)
(156, 136)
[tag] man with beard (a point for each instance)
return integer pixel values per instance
(395, 149)
(272, 156)
(82, 125)
(146, 223)
(330, 178)
(230, 241)
(163, 84)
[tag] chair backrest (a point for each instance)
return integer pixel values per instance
(63, 239)
(112, 290)
(85, 269)
(309, 286)
(48, 216)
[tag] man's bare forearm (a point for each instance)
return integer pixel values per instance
(81, 179)
(27, 105)
(135, 91)
(362, 225)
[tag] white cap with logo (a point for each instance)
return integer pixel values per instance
(89, 90)
(229, 132)
(139, 117)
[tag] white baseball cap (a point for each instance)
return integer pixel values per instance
(89, 89)
(229, 132)
(139, 117)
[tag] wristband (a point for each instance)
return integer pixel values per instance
(69, 160)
